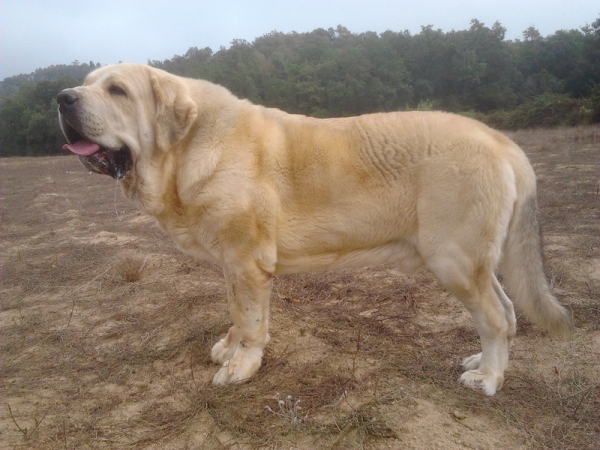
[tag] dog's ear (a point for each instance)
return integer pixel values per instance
(175, 109)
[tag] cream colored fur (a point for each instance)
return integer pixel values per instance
(261, 192)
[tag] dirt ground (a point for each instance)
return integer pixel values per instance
(106, 331)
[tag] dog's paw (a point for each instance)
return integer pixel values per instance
(222, 376)
(242, 365)
(221, 352)
(489, 383)
(472, 362)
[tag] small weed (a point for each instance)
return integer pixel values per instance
(289, 410)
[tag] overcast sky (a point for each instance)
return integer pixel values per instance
(39, 33)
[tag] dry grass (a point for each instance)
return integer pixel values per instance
(106, 331)
(129, 269)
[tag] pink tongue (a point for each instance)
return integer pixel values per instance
(83, 147)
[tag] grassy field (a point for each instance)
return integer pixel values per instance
(106, 331)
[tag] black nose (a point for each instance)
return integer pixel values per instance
(66, 99)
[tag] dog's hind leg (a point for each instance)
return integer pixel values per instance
(462, 249)
(463, 221)
(473, 362)
(509, 310)
(473, 286)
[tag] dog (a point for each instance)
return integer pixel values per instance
(261, 192)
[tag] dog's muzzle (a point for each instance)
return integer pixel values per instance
(114, 162)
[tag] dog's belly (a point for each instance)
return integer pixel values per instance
(403, 253)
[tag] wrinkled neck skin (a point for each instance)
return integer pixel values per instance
(147, 183)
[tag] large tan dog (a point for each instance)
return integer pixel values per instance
(261, 192)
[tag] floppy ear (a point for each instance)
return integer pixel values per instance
(175, 109)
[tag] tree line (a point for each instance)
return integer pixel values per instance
(28, 109)
(534, 81)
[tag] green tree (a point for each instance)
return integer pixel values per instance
(539, 80)
(28, 119)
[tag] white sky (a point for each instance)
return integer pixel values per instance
(39, 33)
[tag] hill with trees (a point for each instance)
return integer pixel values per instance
(536, 81)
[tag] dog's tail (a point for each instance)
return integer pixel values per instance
(523, 270)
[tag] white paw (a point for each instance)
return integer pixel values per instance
(472, 362)
(489, 383)
(242, 365)
(221, 353)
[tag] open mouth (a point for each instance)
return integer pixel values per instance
(116, 163)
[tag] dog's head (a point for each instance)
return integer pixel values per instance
(124, 113)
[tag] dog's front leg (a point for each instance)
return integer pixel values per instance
(248, 294)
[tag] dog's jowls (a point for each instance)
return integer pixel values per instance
(261, 192)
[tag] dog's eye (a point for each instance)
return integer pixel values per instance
(117, 90)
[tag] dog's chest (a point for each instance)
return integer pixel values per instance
(190, 238)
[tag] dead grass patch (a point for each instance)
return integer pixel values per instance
(129, 269)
